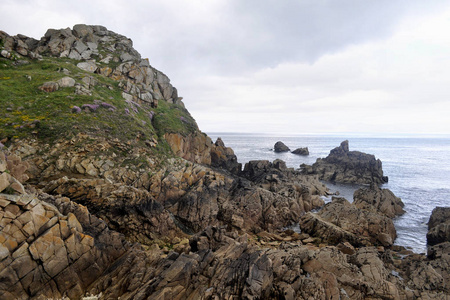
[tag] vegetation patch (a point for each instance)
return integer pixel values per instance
(25, 110)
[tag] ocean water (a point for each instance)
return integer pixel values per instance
(418, 171)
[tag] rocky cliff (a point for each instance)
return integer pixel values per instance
(108, 188)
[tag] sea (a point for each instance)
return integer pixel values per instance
(418, 169)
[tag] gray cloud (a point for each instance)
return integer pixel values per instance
(238, 36)
(315, 66)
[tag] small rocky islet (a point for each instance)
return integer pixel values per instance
(108, 189)
(280, 147)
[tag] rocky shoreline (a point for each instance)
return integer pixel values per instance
(169, 214)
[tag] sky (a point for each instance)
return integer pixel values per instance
(286, 66)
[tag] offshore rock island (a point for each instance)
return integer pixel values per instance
(109, 189)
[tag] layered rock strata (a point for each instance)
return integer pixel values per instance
(48, 253)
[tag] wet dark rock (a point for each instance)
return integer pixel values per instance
(280, 147)
(301, 151)
(439, 226)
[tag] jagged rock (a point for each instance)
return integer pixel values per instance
(278, 178)
(195, 147)
(301, 151)
(128, 210)
(329, 232)
(239, 269)
(224, 157)
(256, 168)
(45, 254)
(12, 173)
(199, 148)
(439, 226)
(345, 166)
(439, 255)
(382, 200)
(280, 147)
(340, 221)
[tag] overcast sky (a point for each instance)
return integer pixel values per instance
(292, 67)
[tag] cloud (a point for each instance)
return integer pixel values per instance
(289, 66)
(397, 84)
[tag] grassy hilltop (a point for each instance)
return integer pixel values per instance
(27, 110)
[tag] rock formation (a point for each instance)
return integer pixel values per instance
(340, 221)
(280, 147)
(95, 46)
(12, 173)
(46, 253)
(345, 166)
(301, 151)
(115, 193)
(382, 200)
(199, 148)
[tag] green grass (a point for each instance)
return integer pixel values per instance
(168, 119)
(27, 111)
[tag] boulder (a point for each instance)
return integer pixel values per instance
(345, 166)
(301, 151)
(88, 66)
(83, 32)
(280, 147)
(49, 87)
(66, 82)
